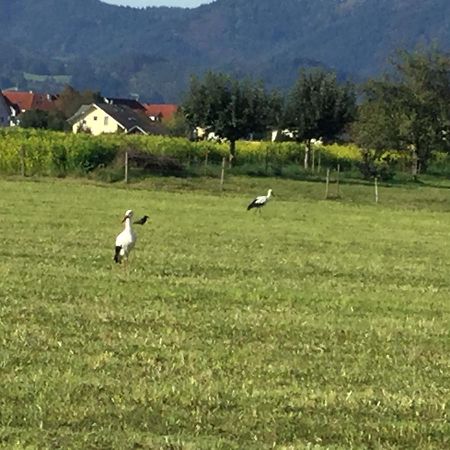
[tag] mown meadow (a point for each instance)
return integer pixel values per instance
(317, 324)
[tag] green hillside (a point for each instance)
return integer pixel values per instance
(154, 51)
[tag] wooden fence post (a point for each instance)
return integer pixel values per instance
(313, 159)
(22, 161)
(222, 173)
(338, 194)
(126, 168)
(327, 184)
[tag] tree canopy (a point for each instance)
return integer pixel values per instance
(319, 107)
(51, 120)
(230, 108)
(69, 100)
(409, 110)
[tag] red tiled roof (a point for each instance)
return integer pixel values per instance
(31, 100)
(166, 110)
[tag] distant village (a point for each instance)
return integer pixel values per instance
(104, 115)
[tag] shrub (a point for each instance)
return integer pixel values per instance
(154, 164)
(373, 165)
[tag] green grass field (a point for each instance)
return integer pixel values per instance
(319, 324)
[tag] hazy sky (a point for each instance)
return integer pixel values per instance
(143, 3)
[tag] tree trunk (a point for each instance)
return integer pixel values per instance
(414, 164)
(307, 152)
(423, 159)
(232, 157)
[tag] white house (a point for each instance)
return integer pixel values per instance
(99, 118)
(7, 112)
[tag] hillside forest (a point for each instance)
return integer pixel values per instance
(151, 53)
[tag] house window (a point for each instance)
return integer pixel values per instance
(95, 117)
(105, 121)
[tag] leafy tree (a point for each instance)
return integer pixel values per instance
(177, 125)
(378, 130)
(34, 119)
(57, 121)
(408, 111)
(51, 120)
(230, 108)
(319, 107)
(69, 100)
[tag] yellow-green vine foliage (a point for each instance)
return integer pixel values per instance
(57, 153)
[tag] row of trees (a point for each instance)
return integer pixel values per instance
(317, 106)
(406, 111)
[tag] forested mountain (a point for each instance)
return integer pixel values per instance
(152, 52)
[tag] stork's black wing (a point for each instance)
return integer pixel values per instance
(253, 204)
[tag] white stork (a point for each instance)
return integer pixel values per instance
(125, 240)
(260, 201)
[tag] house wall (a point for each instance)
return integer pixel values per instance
(5, 113)
(98, 122)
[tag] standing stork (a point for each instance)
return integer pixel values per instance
(125, 240)
(260, 201)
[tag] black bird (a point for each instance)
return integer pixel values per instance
(141, 221)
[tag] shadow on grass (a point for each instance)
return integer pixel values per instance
(114, 173)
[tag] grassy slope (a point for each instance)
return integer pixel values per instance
(319, 322)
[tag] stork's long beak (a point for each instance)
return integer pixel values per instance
(125, 218)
